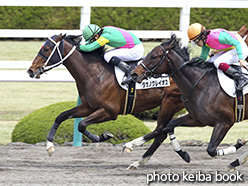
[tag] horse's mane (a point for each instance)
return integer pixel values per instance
(200, 63)
(182, 51)
(76, 39)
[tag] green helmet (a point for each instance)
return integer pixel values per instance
(90, 31)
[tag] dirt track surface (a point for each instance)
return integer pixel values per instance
(106, 165)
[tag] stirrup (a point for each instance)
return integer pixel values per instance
(127, 80)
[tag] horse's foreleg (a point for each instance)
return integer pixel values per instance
(144, 159)
(219, 132)
(186, 121)
(171, 104)
(182, 121)
(128, 147)
(79, 111)
(177, 148)
(98, 116)
(95, 138)
(240, 142)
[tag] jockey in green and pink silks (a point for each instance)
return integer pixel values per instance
(221, 39)
(127, 47)
(233, 49)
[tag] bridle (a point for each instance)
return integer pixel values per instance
(55, 58)
(150, 71)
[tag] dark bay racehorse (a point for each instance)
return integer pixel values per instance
(102, 97)
(204, 99)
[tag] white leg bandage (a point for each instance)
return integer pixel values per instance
(228, 150)
(174, 143)
(136, 142)
(49, 144)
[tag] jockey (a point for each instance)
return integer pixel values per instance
(127, 47)
(232, 47)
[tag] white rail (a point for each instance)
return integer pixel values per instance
(15, 71)
(36, 33)
(6, 68)
(184, 5)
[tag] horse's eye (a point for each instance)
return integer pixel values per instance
(153, 57)
(46, 49)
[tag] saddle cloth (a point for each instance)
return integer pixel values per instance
(228, 84)
(153, 82)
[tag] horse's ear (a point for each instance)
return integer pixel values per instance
(63, 36)
(168, 47)
(243, 31)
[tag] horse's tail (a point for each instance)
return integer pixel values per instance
(74, 39)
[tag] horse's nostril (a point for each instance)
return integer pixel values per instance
(30, 73)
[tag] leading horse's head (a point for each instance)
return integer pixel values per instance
(50, 54)
(156, 61)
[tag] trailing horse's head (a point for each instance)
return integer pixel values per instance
(156, 61)
(50, 54)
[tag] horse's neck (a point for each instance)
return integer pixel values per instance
(83, 70)
(186, 76)
(86, 69)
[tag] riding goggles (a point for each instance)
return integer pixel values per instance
(196, 41)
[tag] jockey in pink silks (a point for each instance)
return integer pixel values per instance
(233, 49)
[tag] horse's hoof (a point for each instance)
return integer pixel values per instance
(126, 149)
(50, 151)
(231, 168)
(242, 141)
(184, 155)
(132, 167)
(106, 136)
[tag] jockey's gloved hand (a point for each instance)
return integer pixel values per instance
(77, 48)
(199, 60)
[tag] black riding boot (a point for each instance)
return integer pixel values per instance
(127, 69)
(124, 67)
(240, 79)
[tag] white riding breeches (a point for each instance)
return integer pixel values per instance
(229, 57)
(126, 54)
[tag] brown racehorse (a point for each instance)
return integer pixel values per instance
(102, 97)
(204, 99)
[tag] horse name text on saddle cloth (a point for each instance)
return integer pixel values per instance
(163, 81)
(155, 82)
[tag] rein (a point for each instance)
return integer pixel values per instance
(191, 92)
(150, 72)
(56, 54)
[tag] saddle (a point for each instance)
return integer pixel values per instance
(228, 84)
(153, 82)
